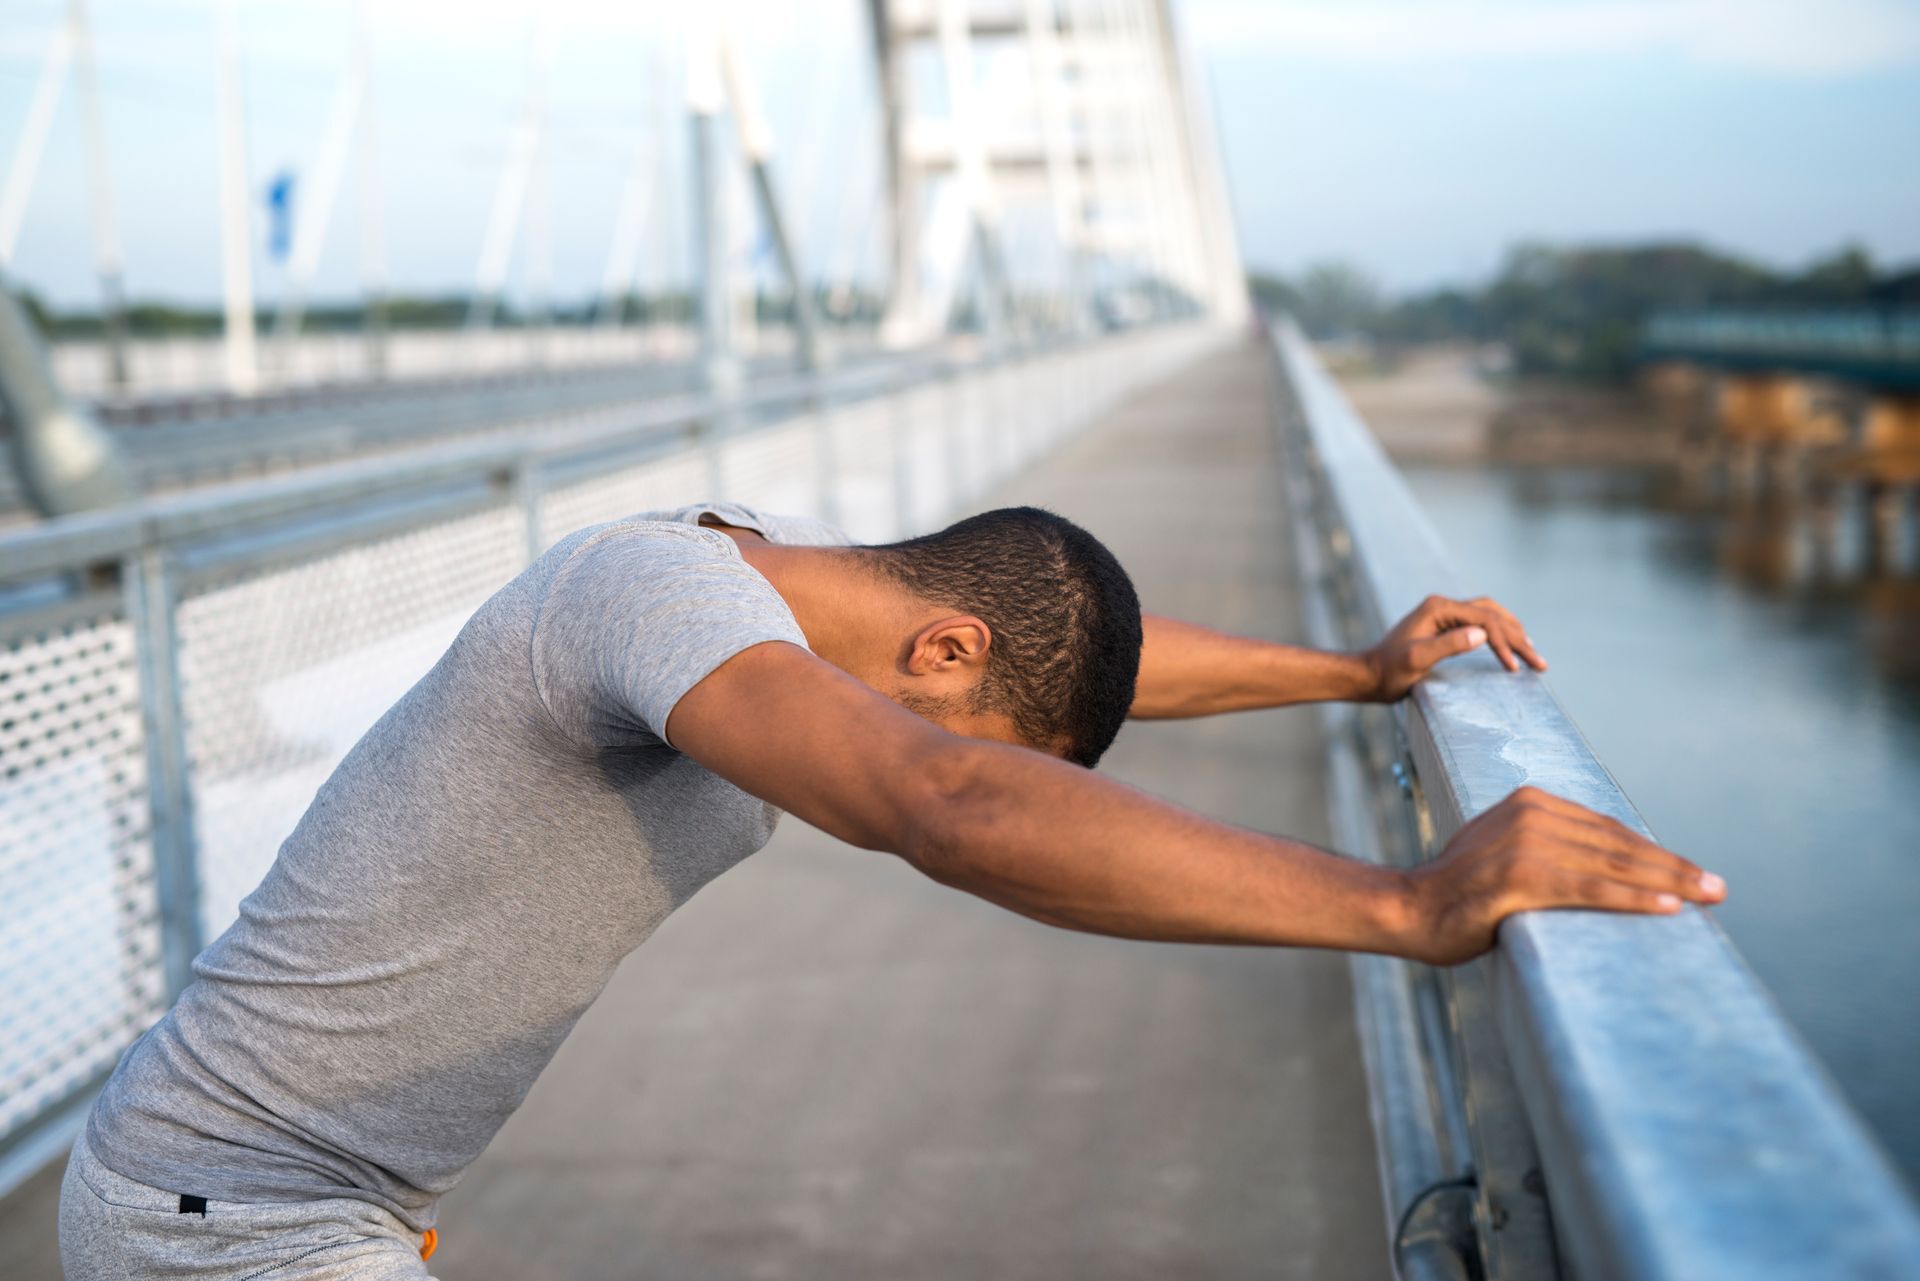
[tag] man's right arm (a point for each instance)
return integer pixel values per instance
(1068, 847)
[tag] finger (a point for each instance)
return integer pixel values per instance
(1455, 613)
(1597, 892)
(1542, 816)
(1512, 631)
(1671, 875)
(1489, 603)
(1452, 614)
(1517, 639)
(1423, 654)
(1511, 637)
(1446, 613)
(1618, 836)
(1604, 829)
(1625, 853)
(1497, 642)
(1523, 646)
(1427, 618)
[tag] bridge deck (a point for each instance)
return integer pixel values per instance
(827, 1067)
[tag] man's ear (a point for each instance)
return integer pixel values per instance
(950, 646)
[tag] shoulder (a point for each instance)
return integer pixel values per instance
(795, 531)
(637, 613)
(638, 538)
(640, 562)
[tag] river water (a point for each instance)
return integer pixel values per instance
(1765, 718)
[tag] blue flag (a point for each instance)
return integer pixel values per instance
(280, 215)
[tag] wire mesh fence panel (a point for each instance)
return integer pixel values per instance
(282, 671)
(774, 468)
(932, 491)
(973, 427)
(1016, 418)
(863, 448)
(658, 484)
(1078, 379)
(80, 971)
(951, 443)
(1068, 383)
(1000, 424)
(1039, 388)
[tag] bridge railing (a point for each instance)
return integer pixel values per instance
(180, 440)
(178, 677)
(1604, 1096)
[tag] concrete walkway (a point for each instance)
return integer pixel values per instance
(826, 1067)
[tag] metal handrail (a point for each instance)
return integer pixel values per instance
(65, 543)
(1682, 1128)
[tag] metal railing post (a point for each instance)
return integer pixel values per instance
(1511, 1216)
(147, 580)
(524, 486)
(708, 432)
(826, 461)
(953, 428)
(959, 433)
(901, 409)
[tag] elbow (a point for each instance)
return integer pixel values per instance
(948, 806)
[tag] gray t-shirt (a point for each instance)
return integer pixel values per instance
(462, 887)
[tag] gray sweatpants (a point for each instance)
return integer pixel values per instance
(115, 1229)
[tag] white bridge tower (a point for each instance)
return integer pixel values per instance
(1048, 160)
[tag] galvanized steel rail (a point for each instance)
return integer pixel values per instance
(1635, 1105)
(245, 438)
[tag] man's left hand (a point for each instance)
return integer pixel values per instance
(1439, 629)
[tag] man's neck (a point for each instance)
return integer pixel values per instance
(851, 616)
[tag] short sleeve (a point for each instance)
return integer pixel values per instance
(792, 531)
(638, 615)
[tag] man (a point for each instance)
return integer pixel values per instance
(625, 721)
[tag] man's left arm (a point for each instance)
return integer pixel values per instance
(1187, 670)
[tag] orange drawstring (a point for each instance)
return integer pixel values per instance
(429, 1244)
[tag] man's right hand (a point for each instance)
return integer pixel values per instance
(1536, 850)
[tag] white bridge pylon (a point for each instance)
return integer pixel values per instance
(1074, 118)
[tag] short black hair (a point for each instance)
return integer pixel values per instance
(1064, 616)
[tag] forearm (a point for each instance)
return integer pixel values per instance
(1066, 846)
(1072, 849)
(1188, 670)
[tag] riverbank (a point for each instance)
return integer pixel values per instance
(1436, 406)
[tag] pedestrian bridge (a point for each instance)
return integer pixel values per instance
(826, 1066)
(1874, 348)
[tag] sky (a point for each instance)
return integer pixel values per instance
(1417, 139)
(1420, 139)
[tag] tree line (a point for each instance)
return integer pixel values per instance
(1574, 312)
(155, 319)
